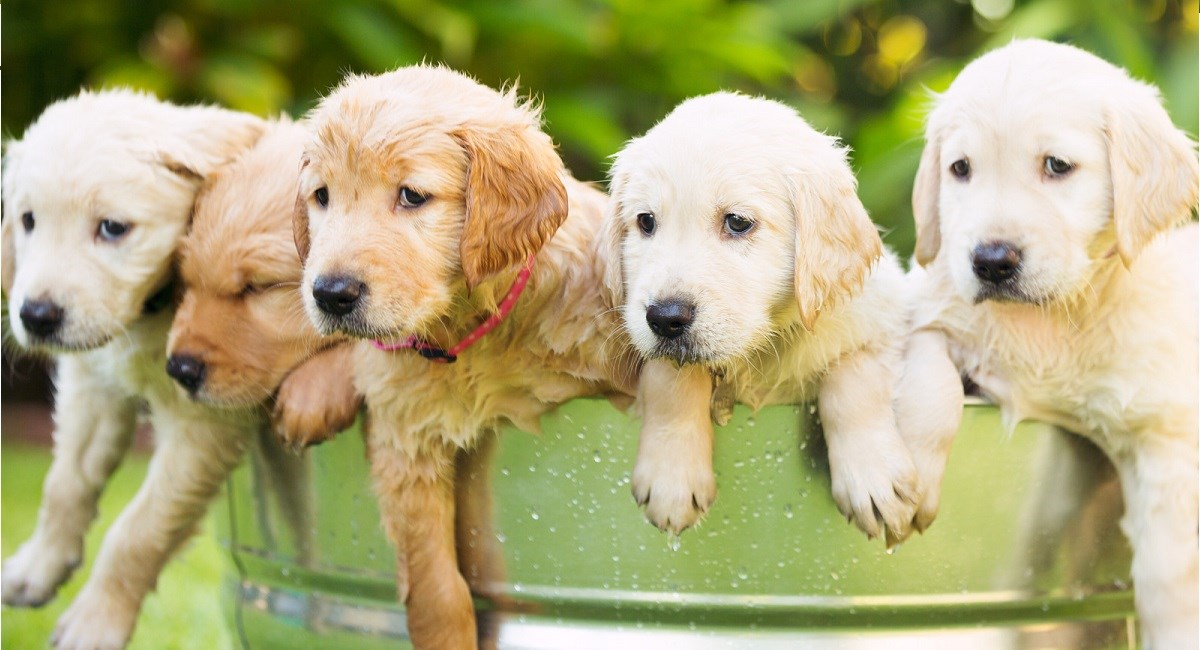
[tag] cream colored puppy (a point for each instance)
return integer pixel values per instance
(744, 263)
(1049, 205)
(97, 194)
(427, 200)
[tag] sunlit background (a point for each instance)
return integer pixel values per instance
(606, 70)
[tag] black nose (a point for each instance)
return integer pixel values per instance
(995, 262)
(671, 318)
(187, 370)
(41, 317)
(337, 295)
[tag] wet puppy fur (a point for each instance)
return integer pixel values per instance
(1057, 272)
(422, 194)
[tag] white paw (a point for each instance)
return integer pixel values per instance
(95, 621)
(875, 485)
(675, 493)
(34, 573)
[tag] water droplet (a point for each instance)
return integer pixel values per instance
(812, 409)
(596, 456)
(787, 511)
(750, 422)
(743, 573)
(673, 541)
(517, 587)
(533, 514)
(834, 575)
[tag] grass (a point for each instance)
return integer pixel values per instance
(182, 614)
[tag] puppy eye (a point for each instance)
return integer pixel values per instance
(960, 168)
(646, 223)
(110, 230)
(27, 221)
(1057, 166)
(411, 198)
(249, 290)
(322, 196)
(736, 224)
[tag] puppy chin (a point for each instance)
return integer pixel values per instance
(1010, 293)
(685, 350)
(224, 400)
(62, 344)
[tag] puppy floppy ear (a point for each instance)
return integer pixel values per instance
(836, 242)
(8, 253)
(1153, 168)
(300, 219)
(515, 197)
(300, 228)
(199, 139)
(925, 192)
(8, 228)
(612, 240)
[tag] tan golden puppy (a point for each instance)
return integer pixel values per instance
(425, 194)
(241, 328)
(1058, 273)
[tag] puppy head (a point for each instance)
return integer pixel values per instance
(1041, 160)
(730, 220)
(96, 196)
(241, 325)
(418, 185)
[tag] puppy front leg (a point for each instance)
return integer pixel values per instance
(416, 499)
(673, 476)
(929, 404)
(94, 426)
(186, 471)
(317, 400)
(874, 481)
(1161, 501)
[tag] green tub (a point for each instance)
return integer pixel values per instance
(1026, 552)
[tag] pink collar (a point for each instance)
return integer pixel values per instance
(439, 355)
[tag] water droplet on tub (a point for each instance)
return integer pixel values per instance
(673, 541)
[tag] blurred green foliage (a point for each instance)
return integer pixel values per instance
(606, 69)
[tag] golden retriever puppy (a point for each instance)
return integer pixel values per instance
(240, 338)
(747, 269)
(240, 328)
(1050, 204)
(430, 202)
(97, 194)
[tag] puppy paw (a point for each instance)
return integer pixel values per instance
(32, 576)
(95, 621)
(317, 400)
(876, 486)
(675, 494)
(930, 468)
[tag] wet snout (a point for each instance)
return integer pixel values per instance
(42, 318)
(996, 262)
(188, 371)
(670, 318)
(338, 295)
